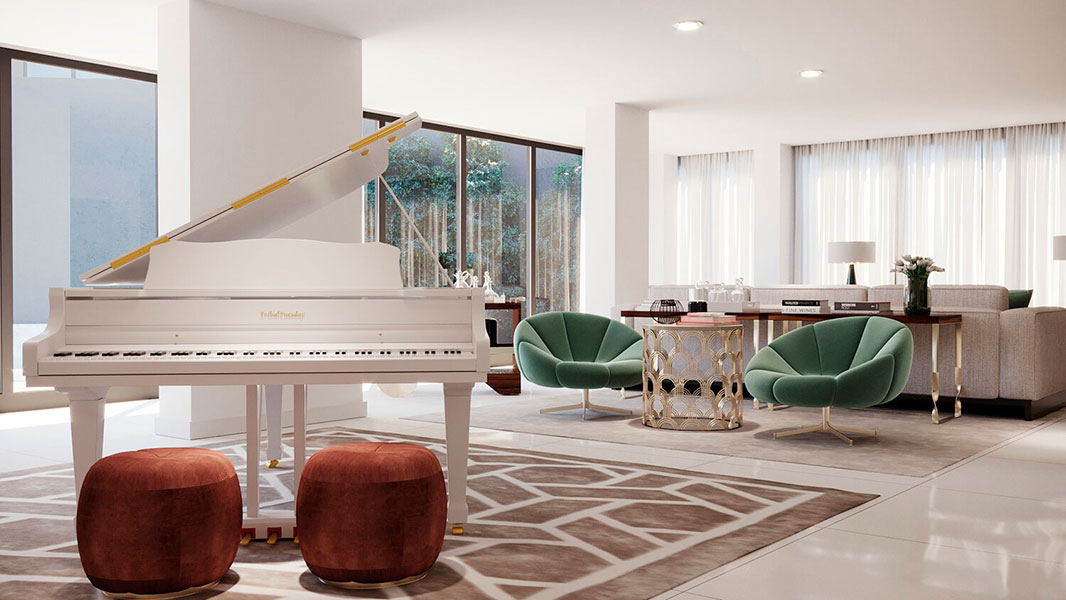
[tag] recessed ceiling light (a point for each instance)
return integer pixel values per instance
(811, 73)
(691, 25)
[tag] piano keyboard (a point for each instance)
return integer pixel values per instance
(228, 354)
(189, 361)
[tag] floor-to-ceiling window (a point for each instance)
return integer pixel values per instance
(497, 204)
(558, 229)
(984, 203)
(78, 156)
(512, 205)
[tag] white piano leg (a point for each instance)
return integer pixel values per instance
(457, 432)
(252, 452)
(272, 399)
(299, 434)
(86, 429)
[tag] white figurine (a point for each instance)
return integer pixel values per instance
(490, 294)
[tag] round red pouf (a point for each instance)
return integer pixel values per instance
(159, 521)
(371, 514)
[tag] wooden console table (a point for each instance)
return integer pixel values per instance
(507, 383)
(790, 321)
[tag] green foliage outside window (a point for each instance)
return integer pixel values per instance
(422, 172)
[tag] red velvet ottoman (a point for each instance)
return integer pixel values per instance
(371, 514)
(159, 521)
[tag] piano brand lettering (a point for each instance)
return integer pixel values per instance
(280, 315)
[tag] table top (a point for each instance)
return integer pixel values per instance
(693, 326)
(503, 305)
(930, 319)
(776, 315)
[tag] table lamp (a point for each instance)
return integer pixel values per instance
(1059, 251)
(851, 253)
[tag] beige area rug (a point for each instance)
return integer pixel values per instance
(541, 526)
(907, 442)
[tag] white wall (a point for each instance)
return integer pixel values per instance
(614, 208)
(243, 101)
(774, 213)
(662, 216)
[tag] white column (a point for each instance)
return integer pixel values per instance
(614, 208)
(774, 214)
(662, 218)
(243, 100)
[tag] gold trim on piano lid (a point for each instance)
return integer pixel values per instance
(139, 252)
(383, 132)
(284, 181)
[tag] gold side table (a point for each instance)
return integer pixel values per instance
(681, 362)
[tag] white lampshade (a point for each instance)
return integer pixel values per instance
(1060, 247)
(852, 252)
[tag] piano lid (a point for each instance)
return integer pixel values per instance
(272, 207)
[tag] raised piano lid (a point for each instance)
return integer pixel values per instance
(272, 207)
(274, 265)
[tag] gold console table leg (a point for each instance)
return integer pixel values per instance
(936, 373)
(958, 369)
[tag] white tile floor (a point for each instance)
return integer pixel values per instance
(992, 526)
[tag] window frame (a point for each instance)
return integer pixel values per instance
(11, 400)
(531, 145)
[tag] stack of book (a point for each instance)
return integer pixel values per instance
(862, 308)
(707, 318)
(805, 307)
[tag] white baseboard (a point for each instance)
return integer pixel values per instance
(206, 428)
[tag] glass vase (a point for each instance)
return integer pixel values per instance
(916, 295)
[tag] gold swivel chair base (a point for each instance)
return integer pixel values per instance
(178, 594)
(355, 585)
(586, 406)
(825, 426)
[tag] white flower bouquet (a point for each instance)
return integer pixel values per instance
(916, 266)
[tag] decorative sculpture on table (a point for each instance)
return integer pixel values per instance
(719, 293)
(462, 279)
(466, 279)
(666, 311)
(738, 291)
(490, 294)
(917, 270)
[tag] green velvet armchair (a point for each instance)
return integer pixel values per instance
(851, 362)
(579, 351)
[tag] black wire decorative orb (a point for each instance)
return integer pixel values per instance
(666, 311)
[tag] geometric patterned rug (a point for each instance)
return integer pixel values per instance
(541, 526)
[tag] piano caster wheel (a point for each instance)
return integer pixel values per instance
(273, 464)
(273, 539)
(457, 529)
(296, 540)
(246, 539)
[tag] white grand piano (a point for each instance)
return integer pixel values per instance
(220, 306)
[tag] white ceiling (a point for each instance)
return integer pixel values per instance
(892, 67)
(532, 67)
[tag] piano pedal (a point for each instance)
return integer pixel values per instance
(273, 535)
(273, 464)
(457, 529)
(246, 538)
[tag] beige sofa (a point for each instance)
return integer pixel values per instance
(1011, 357)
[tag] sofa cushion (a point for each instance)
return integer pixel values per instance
(946, 297)
(1019, 298)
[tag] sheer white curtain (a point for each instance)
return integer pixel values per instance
(985, 204)
(713, 232)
